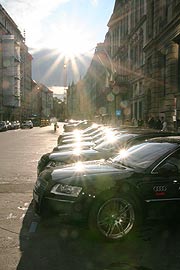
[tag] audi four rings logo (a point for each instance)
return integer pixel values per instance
(160, 188)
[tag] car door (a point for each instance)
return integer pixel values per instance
(163, 183)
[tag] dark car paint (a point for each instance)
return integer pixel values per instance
(83, 145)
(100, 176)
(68, 156)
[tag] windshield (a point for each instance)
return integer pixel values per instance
(142, 155)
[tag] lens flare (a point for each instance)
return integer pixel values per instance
(79, 166)
(123, 153)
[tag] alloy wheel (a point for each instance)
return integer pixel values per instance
(115, 218)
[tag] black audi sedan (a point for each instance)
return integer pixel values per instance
(105, 149)
(83, 133)
(102, 150)
(113, 196)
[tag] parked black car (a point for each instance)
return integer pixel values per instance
(81, 124)
(104, 150)
(113, 195)
(84, 133)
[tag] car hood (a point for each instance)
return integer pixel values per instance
(73, 136)
(71, 140)
(93, 168)
(72, 155)
(74, 145)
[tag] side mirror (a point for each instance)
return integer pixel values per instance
(167, 169)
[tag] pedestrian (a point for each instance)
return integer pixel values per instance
(151, 122)
(55, 126)
(164, 124)
(135, 122)
(158, 124)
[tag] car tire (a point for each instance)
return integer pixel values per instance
(115, 217)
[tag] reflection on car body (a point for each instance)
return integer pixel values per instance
(113, 196)
(83, 133)
(81, 124)
(102, 150)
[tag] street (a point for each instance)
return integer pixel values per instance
(26, 243)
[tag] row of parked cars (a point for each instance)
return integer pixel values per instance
(110, 178)
(7, 125)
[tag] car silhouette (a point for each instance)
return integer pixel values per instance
(113, 196)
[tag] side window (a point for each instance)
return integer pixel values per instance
(175, 159)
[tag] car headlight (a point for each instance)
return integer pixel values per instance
(54, 164)
(66, 190)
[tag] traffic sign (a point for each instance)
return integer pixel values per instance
(118, 112)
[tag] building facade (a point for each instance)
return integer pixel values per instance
(162, 58)
(143, 43)
(135, 73)
(15, 70)
(126, 40)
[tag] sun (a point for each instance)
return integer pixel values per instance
(69, 45)
(71, 41)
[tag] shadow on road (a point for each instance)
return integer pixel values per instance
(53, 245)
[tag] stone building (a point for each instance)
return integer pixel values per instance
(162, 58)
(41, 102)
(78, 101)
(96, 83)
(15, 69)
(144, 39)
(115, 77)
(138, 65)
(126, 39)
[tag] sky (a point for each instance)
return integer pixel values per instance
(69, 27)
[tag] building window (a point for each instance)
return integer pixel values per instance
(149, 66)
(135, 92)
(140, 88)
(141, 8)
(140, 109)
(131, 111)
(132, 14)
(135, 111)
(151, 20)
(136, 11)
(179, 68)
(141, 42)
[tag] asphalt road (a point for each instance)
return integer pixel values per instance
(28, 244)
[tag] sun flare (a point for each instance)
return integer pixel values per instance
(124, 153)
(71, 41)
(69, 46)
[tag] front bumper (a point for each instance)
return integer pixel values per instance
(74, 209)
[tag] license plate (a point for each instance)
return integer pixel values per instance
(36, 197)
